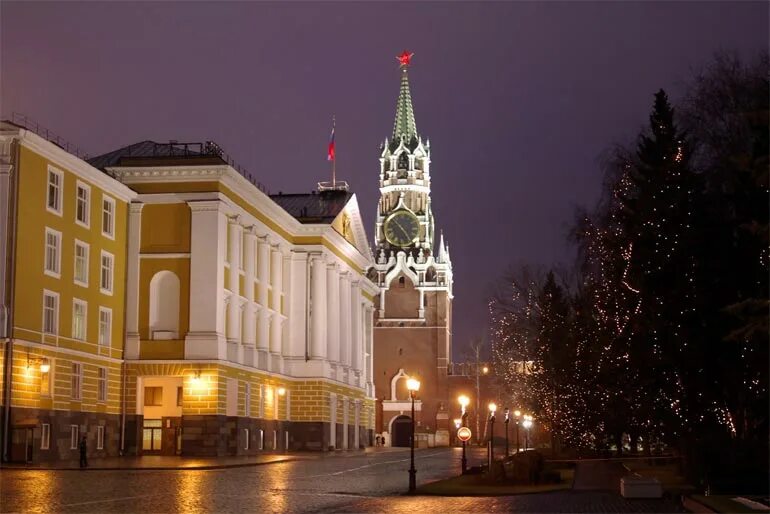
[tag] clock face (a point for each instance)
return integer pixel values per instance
(402, 228)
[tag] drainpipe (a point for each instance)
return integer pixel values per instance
(308, 268)
(125, 337)
(11, 269)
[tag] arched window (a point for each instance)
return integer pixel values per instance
(164, 305)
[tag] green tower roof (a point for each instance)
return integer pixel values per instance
(404, 125)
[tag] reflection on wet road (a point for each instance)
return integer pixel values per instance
(372, 482)
(298, 486)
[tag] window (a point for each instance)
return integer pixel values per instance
(53, 199)
(401, 282)
(246, 439)
(100, 437)
(106, 275)
(179, 396)
(52, 252)
(247, 400)
(81, 263)
(45, 436)
(83, 204)
(261, 439)
(45, 380)
(108, 217)
(105, 326)
(153, 396)
(50, 312)
(77, 380)
(74, 436)
(101, 391)
(79, 310)
(261, 401)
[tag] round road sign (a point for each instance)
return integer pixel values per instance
(464, 434)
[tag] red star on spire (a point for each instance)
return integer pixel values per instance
(405, 58)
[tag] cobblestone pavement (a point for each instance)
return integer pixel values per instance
(563, 501)
(371, 482)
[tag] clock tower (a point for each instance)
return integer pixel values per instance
(413, 312)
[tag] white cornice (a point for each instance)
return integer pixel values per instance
(75, 165)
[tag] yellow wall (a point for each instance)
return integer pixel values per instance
(309, 399)
(30, 279)
(165, 228)
(27, 381)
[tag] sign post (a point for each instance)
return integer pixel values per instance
(464, 435)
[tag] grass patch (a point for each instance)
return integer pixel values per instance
(477, 485)
(723, 504)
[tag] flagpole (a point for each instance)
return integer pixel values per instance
(334, 160)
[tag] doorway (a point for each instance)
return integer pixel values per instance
(22, 444)
(152, 436)
(402, 431)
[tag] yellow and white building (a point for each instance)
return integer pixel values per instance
(240, 322)
(62, 288)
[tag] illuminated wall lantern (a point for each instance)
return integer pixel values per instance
(45, 366)
(281, 391)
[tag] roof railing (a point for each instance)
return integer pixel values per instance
(28, 123)
(339, 185)
(208, 148)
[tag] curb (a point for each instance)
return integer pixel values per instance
(158, 468)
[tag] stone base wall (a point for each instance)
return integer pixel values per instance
(59, 446)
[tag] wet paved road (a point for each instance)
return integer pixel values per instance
(299, 486)
(373, 482)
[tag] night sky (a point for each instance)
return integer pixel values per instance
(518, 99)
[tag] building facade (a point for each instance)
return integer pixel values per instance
(237, 322)
(413, 269)
(62, 287)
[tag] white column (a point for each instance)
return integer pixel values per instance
(276, 279)
(298, 306)
(249, 267)
(318, 309)
(132, 279)
(333, 312)
(263, 266)
(345, 321)
(234, 243)
(206, 339)
(355, 319)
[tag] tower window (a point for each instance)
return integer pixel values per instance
(401, 282)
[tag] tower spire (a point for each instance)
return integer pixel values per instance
(404, 125)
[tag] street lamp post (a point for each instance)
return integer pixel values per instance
(517, 413)
(413, 385)
(492, 410)
(527, 425)
(507, 419)
(464, 401)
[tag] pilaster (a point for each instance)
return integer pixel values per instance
(132, 280)
(206, 338)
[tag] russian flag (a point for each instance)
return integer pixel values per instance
(330, 153)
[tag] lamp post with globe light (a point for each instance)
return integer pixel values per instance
(517, 414)
(464, 401)
(413, 385)
(527, 423)
(507, 419)
(492, 410)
